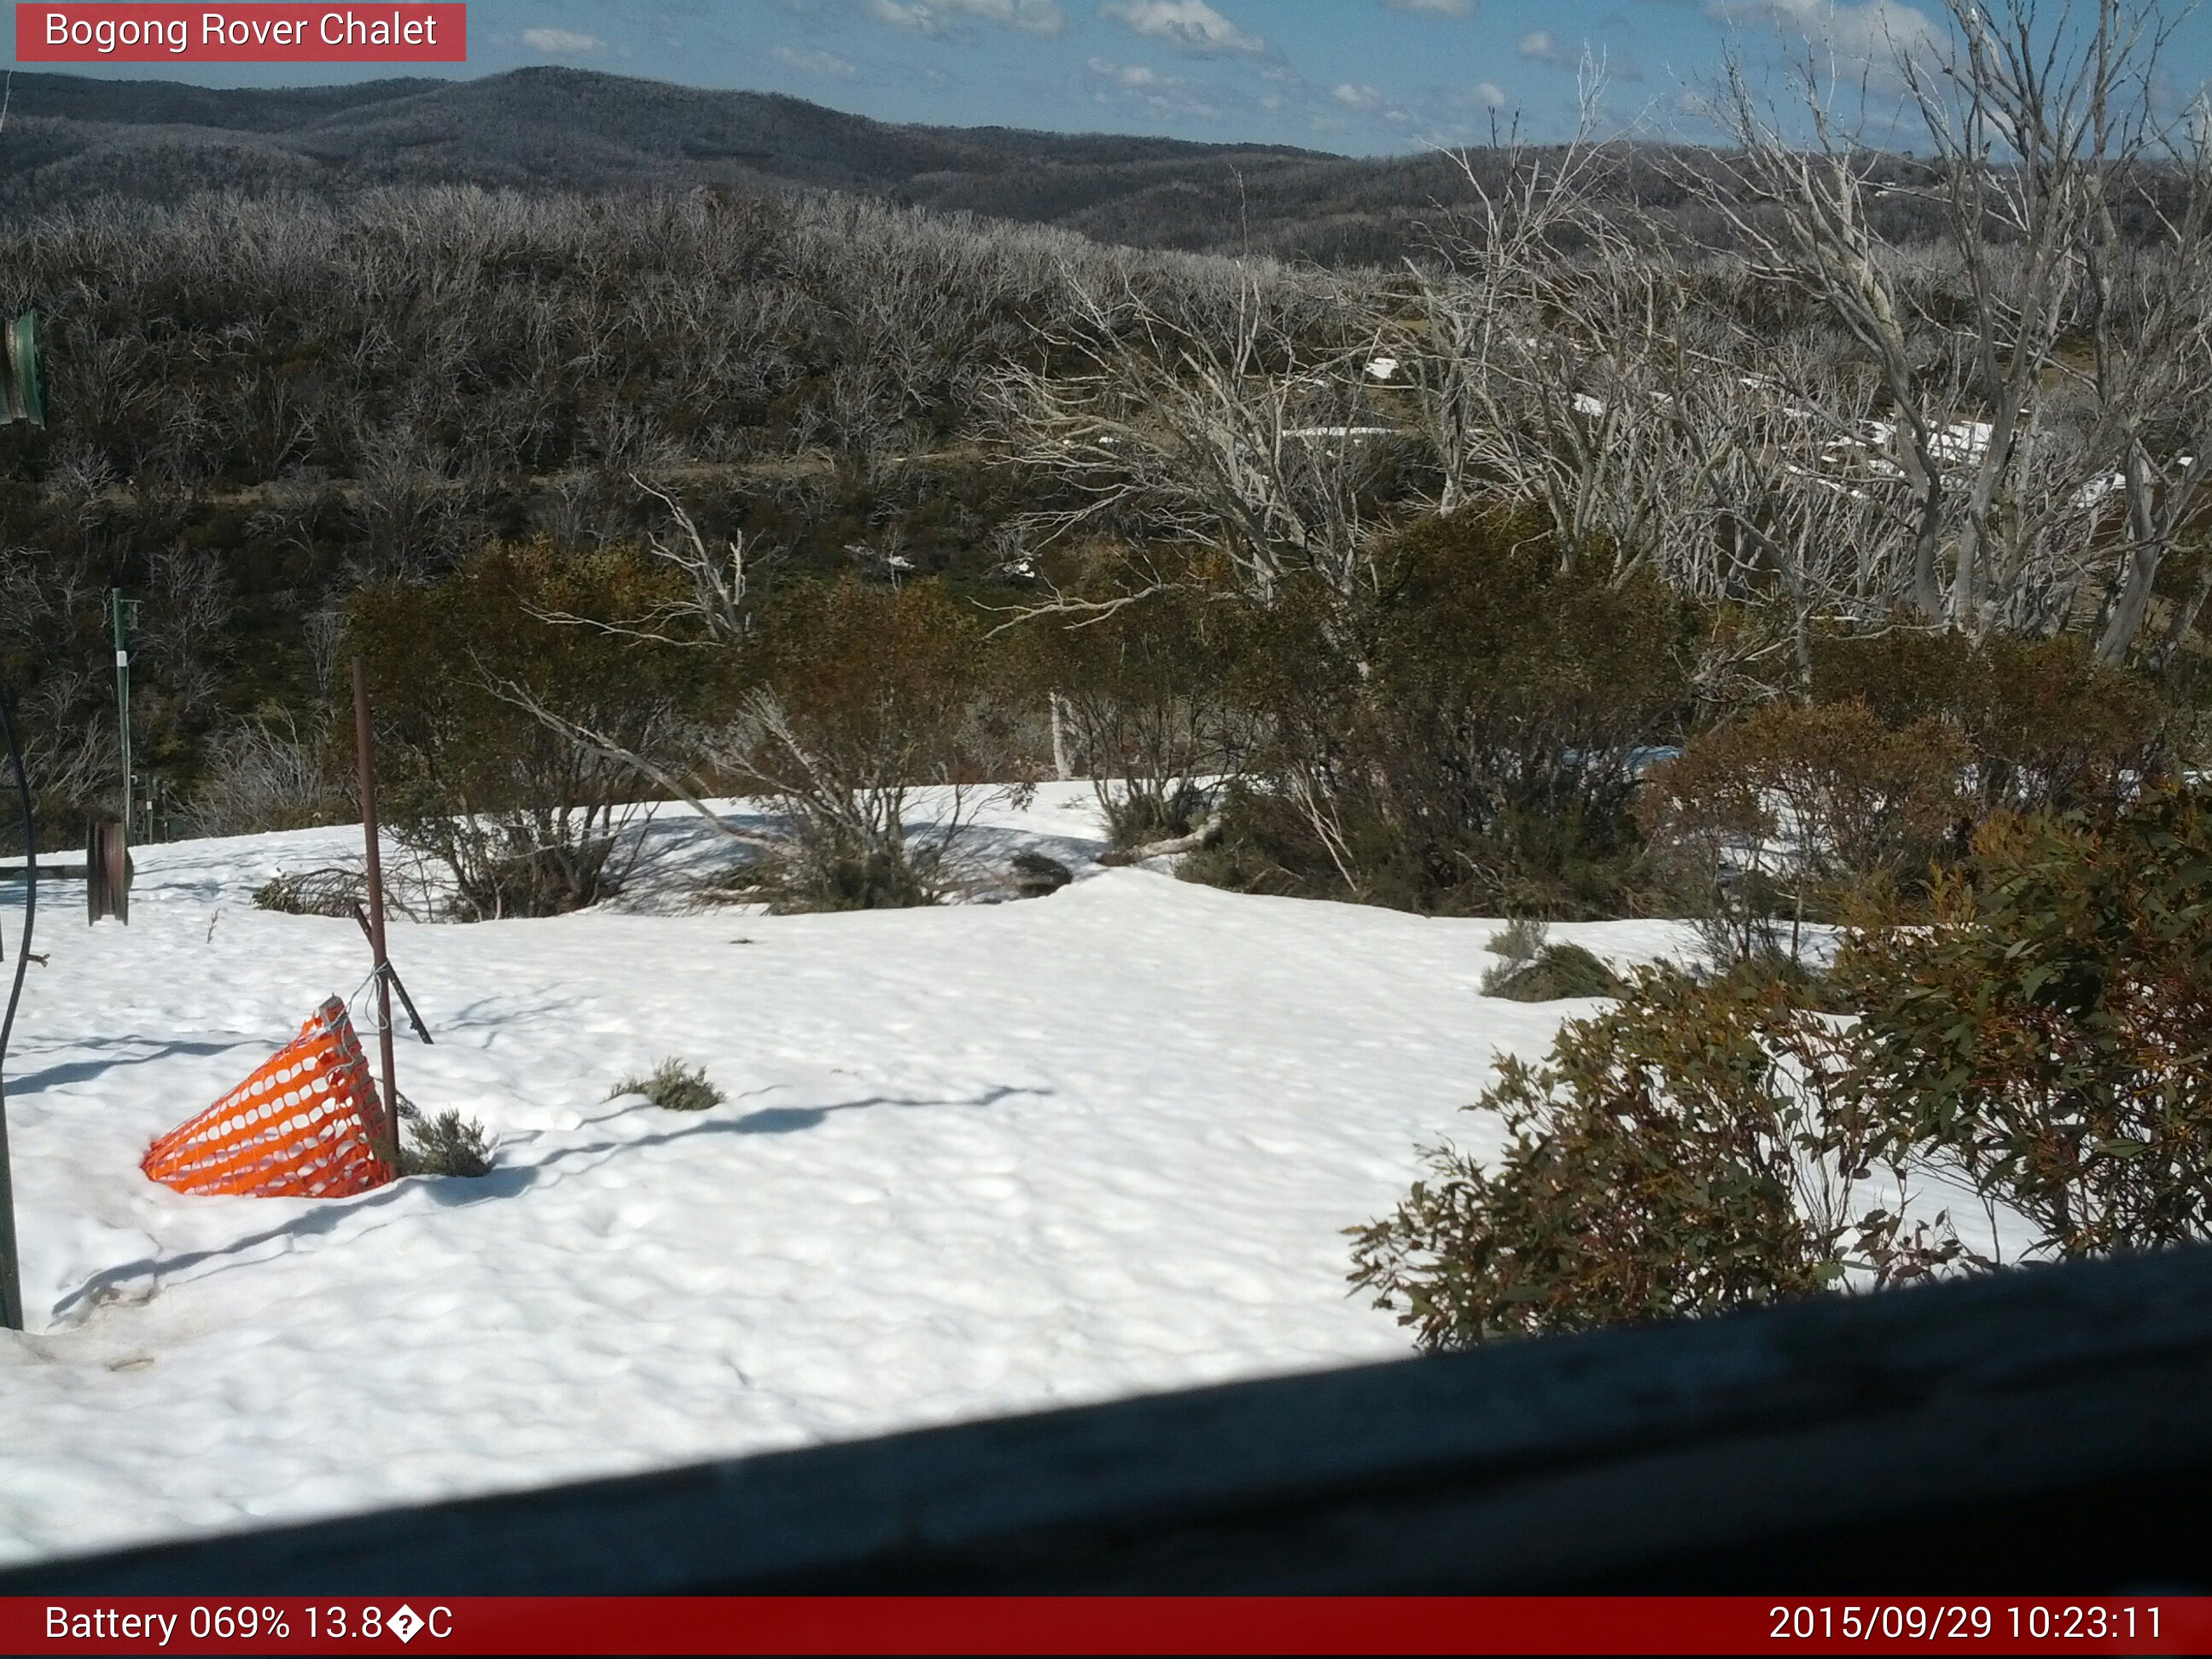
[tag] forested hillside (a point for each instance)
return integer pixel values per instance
(555, 130)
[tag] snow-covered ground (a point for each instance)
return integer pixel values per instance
(976, 1159)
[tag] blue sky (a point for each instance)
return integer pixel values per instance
(1361, 77)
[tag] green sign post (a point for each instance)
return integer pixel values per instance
(23, 377)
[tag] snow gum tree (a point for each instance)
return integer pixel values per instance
(2045, 360)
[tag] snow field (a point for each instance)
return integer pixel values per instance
(976, 1159)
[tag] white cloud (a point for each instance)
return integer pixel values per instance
(1371, 102)
(914, 19)
(1190, 25)
(1873, 32)
(1147, 87)
(1542, 46)
(812, 63)
(1126, 75)
(941, 17)
(1030, 16)
(1434, 8)
(1488, 93)
(559, 40)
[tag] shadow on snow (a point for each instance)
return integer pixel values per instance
(452, 1192)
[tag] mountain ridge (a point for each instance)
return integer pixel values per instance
(71, 138)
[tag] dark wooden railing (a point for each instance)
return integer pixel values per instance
(2044, 1430)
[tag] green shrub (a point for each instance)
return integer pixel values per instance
(2051, 727)
(812, 871)
(1693, 1150)
(527, 821)
(1536, 970)
(1794, 810)
(447, 1145)
(1904, 673)
(1794, 977)
(673, 1086)
(1463, 739)
(1520, 939)
(856, 695)
(2049, 1032)
(1138, 814)
(1037, 876)
(2044, 723)
(1553, 972)
(1144, 692)
(324, 892)
(2043, 1028)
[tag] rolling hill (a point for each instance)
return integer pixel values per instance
(71, 138)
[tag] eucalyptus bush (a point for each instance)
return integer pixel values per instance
(1698, 1149)
(2048, 1031)
(2041, 1029)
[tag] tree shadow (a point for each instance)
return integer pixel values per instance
(459, 1192)
(456, 1192)
(494, 1011)
(322, 1220)
(82, 1070)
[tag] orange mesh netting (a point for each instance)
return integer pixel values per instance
(303, 1126)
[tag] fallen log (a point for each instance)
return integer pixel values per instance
(1205, 836)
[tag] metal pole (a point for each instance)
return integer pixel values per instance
(115, 604)
(367, 761)
(397, 984)
(11, 1287)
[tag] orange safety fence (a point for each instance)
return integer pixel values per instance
(305, 1125)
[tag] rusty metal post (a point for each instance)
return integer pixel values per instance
(368, 763)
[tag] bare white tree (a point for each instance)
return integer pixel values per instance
(1244, 429)
(712, 613)
(1550, 351)
(2048, 363)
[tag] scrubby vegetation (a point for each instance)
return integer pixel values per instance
(1535, 969)
(1461, 739)
(1555, 971)
(1037, 876)
(2046, 1028)
(673, 1086)
(325, 892)
(856, 695)
(447, 1145)
(1697, 1150)
(2036, 1031)
(524, 820)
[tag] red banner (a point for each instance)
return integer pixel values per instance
(80, 32)
(1104, 1624)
